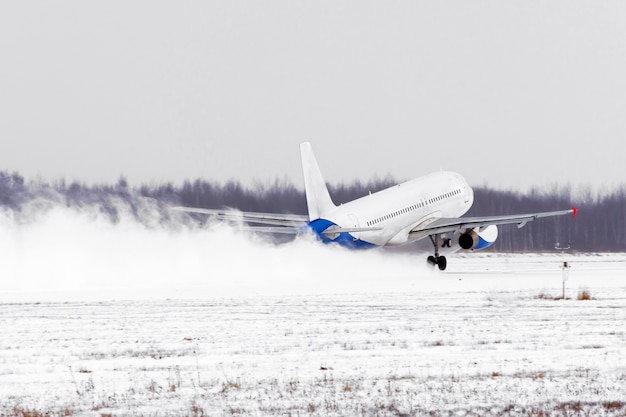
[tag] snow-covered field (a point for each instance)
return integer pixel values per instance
(104, 320)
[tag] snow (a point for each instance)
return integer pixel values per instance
(100, 319)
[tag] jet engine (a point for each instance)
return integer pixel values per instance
(478, 238)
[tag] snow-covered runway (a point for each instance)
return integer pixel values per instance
(100, 319)
(486, 337)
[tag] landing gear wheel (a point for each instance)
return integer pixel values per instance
(442, 263)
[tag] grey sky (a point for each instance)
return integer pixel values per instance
(509, 94)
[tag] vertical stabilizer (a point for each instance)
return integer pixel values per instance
(317, 196)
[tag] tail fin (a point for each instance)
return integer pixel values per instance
(317, 196)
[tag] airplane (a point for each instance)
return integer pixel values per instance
(430, 206)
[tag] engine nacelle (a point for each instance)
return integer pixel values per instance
(479, 238)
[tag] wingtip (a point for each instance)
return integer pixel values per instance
(574, 211)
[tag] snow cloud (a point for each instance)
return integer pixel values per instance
(67, 251)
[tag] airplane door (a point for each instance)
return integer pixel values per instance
(354, 222)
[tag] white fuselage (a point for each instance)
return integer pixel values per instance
(397, 210)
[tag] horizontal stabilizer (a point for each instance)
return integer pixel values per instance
(336, 229)
(270, 229)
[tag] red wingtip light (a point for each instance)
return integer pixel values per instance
(574, 211)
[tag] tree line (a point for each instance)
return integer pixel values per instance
(599, 226)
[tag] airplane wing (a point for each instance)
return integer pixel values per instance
(294, 221)
(273, 222)
(447, 225)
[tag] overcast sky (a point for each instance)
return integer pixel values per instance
(510, 94)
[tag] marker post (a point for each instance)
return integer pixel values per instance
(564, 266)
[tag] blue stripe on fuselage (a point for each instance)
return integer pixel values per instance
(343, 239)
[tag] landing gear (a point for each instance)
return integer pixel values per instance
(440, 261)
